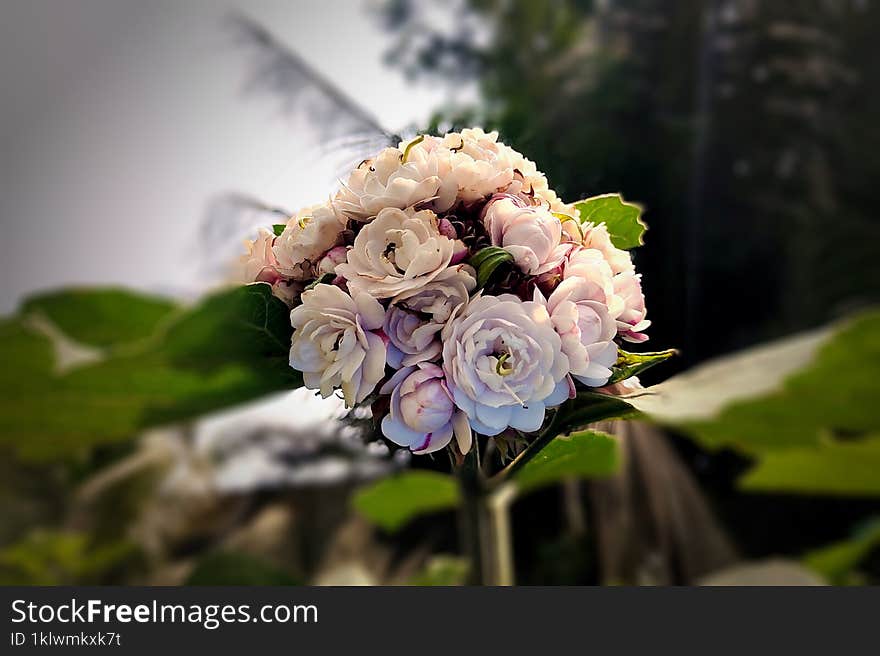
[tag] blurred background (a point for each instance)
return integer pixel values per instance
(141, 142)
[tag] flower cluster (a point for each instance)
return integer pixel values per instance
(394, 304)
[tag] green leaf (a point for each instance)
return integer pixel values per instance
(805, 408)
(101, 317)
(230, 348)
(837, 562)
(278, 228)
(44, 557)
(842, 468)
(835, 394)
(232, 568)
(632, 364)
(486, 261)
(587, 454)
(622, 219)
(392, 502)
(587, 408)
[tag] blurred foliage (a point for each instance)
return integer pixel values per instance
(45, 557)
(392, 502)
(834, 468)
(230, 568)
(586, 454)
(805, 408)
(101, 317)
(832, 399)
(442, 570)
(838, 563)
(230, 348)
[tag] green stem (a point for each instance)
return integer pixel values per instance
(471, 525)
(533, 449)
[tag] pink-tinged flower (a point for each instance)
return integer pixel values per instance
(399, 252)
(621, 293)
(504, 363)
(530, 233)
(308, 236)
(335, 344)
(590, 267)
(586, 329)
(413, 323)
(631, 320)
(258, 264)
(423, 416)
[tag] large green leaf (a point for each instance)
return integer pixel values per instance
(587, 454)
(835, 468)
(622, 219)
(837, 562)
(394, 501)
(805, 407)
(101, 317)
(230, 348)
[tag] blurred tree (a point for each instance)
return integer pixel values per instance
(744, 126)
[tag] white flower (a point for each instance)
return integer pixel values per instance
(631, 320)
(586, 329)
(387, 181)
(413, 323)
(531, 234)
(308, 236)
(398, 252)
(504, 363)
(334, 344)
(423, 416)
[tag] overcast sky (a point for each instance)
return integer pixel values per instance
(119, 120)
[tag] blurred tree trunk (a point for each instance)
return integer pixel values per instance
(653, 526)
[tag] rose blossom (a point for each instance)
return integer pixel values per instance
(333, 343)
(413, 323)
(531, 234)
(398, 252)
(586, 329)
(504, 363)
(306, 238)
(423, 416)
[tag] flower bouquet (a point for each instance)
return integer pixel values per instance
(448, 288)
